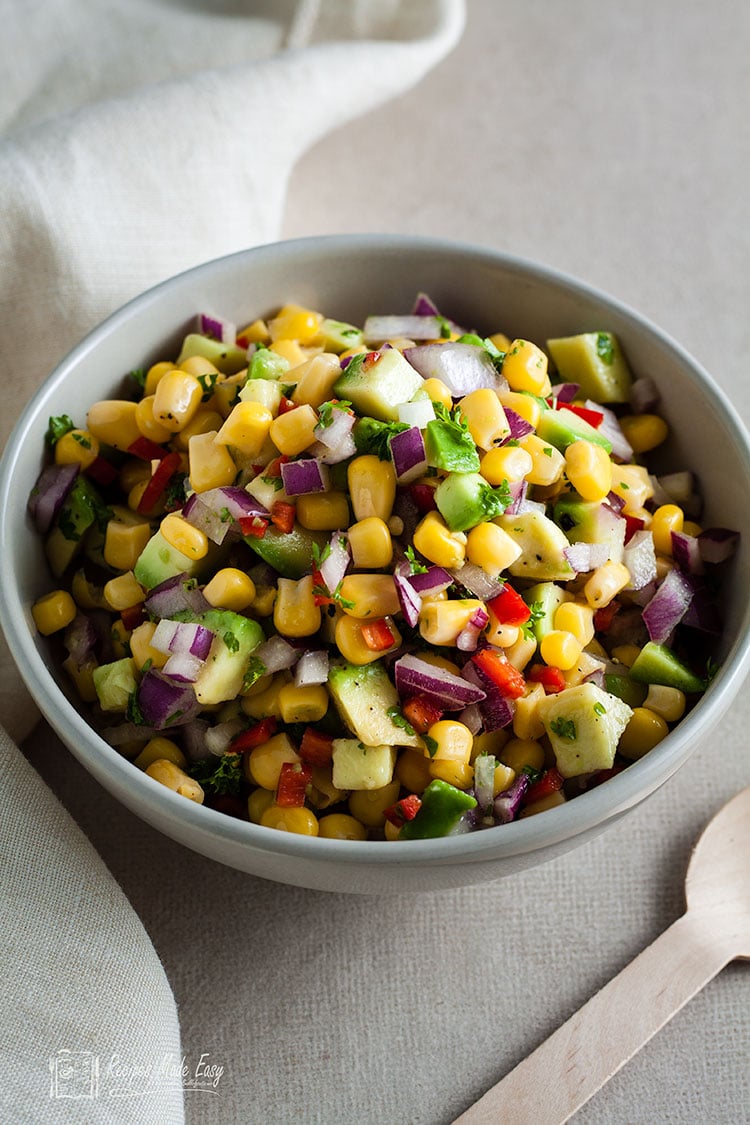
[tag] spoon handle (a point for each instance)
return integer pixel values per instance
(568, 1068)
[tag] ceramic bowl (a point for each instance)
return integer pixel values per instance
(348, 277)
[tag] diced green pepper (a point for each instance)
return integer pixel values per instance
(442, 807)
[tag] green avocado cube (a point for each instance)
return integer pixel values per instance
(376, 382)
(115, 683)
(466, 499)
(657, 664)
(584, 725)
(356, 766)
(561, 428)
(366, 699)
(227, 358)
(235, 638)
(542, 544)
(595, 361)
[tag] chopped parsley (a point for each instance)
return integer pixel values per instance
(57, 427)
(139, 374)
(445, 327)
(208, 382)
(275, 482)
(174, 494)
(225, 515)
(564, 728)
(231, 641)
(605, 348)
(431, 745)
(133, 711)
(220, 776)
(414, 563)
(494, 501)
(537, 613)
(371, 436)
(319, 556)
(325, 412)
(600, 709)
(547, 451)
(80, 438)
(398, 720)
(532, 773)
(256, 669)
(494, 352)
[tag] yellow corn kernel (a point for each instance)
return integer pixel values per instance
(263, 764)
(340, 826)
(264, 601)
(460, 774)
(123, 592)
(120, 637)
(126, 535)
(520, 653)
(176, 399)
(211, 465)
(436, 391)
(372, 487)
(665, 520)
(293, 432)
(369, 595)
(255, 333)
(500, 635)
(154, 374)
(441, 622)
(147, 423)
(433, 539)
(113, 422)
(315, 378)
(522, 753)
(305, 704)
(226, 394)
(198, 365)
(690, 527)
(524, 405)
(644, 431)
(85, 593)
(257, 803)
(589, 469)
(246, 428)
(525, 368)
(204, 421)
(141, 649)
(230, 588)
(508, 462)
(626, 654)
(575, 618)
(485, 417)
(490, 547)
(551, 801)
(167, 773)
(77, 447)
(301, 821)
(605, 584)
(633, 485)
(133, 472)
(323, 511)
(350, 642)
(368, 805)
(181, 535)
(501, 341)
(490, 742)
(645, 730)
(370, 543)
(295, 613)
(503, 778)
(526, 721)
(560, 649)
(453, 742)
(265, 704)
(160, 748)
(547, 463)
(291, 351)
(413, 771)
(53, 612)
(666, 701)
(295, 322)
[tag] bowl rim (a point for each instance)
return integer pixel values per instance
(593, 808)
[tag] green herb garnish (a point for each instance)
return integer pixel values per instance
(564, 728)
(256, 669)
(414, 563)
(231, 641)
(57, 427)
(605, 348)
(220, 776)
(398, 720)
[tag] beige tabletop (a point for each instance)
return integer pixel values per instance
(611, 142)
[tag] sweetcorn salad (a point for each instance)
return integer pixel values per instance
(388, 581)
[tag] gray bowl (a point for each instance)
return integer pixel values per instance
(348, 277)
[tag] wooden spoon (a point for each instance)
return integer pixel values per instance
(568, 1068)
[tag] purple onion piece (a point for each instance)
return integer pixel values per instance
(218, 738)
(49, 494)
(462, 367)
(312, 668)
(507, 804)
(519, 427)
(305, 476)
(584, 557)
(183, 667)
(193, 739)
(176, 595)
(484, 781)
(415, 676)
(565, 392)
(703, 613)
(408, 453)
(217, 328)
(639, 557)
(276, 654)
(424, 306)
(335, 565)
(237, 501)
(477, 581)
(496, 711)
(471, 717)
(409, 600)
(164, 702)
(468, 638)
(686, 552)
(431, 581)
(80, 638)
(717, 544)
(615, 502)
(644, 395)
(610, 429)
(205, 519)
(668, 606)
(189, 637)
(518, 490)
(335, 442)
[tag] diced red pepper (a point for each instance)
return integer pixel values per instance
(254, 736)
(504, 676)
(370, 360)
(423, 496)
(273, 468)
(550, 781)
(421, 713)
(319, 584)
(253, 526)
(156, 487)
(403, 810)
(632, 524)
(286, 405)
(551, 678)
(377, 635)
(283, 515)
(133, 616)
(316, 748)
(604, 617)
(593, 417)
(509, 607)
(102, 471)
(147, 450)
(293, 781)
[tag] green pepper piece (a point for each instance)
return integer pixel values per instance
(442, 807)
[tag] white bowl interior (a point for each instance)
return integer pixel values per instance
(349, 277)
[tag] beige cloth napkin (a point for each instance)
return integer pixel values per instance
(138, 139)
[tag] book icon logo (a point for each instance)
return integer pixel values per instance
(74, 1075)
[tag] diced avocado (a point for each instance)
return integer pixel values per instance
(222, 674)
(363, 697)
(466, 499)
(376, 382)
(595, 360)
(82, 509)
(265, 391)
(159, 560)
(584, 725)
(542, 544)
(657, 664)
(585, 521)
(443, 805)
(544, 599)
(290, 553)
(625, 689)
(227, 358)
(357, 766)
(561, 428)
(266, 364)
(337, 336)
(115, 683)
(450, 447)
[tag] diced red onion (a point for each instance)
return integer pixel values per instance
(495, 709)
(484, 781)
(409, 600)
(376, 329)
(643, 595)
(686, 552)
(668, 606)
(334, 566)
(477, 581)
(432, 581)
(276, 654)
(312, 668)
(519, 427)
(584, 557)
(164, 702)
(205, 519)
(615, 502)
(217, 328)
(597, 676)
(610, 428)
(80, 638)
(518, 490)
(176, 595)
(530, 506)
(507, 804)
(462, 367)
(305, 476)
(415, 676)
(424, 306)
(640, 559)
(49, 493)
(644, 396)
(184, 667)
(417, 413)
(218, 738)
(467, 639)
(334, 441)
(193, 739)
(237, 501)
(565, 392)
(703, 613)
(471, 717)
(407, 451)
(717, 544)
(163, 635)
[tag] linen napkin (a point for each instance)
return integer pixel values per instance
(137, 139)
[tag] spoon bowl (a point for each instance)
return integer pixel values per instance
(717, 886)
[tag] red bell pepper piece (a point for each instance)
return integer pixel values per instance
(421, 713)
(273, 468)
(604, 617)
(316, 748)
(147, 450)
(253, 736)
(501, 672)
(253, 526)
(370, 360)
(423, 496)
(593, 417)
(102, 471)
(403, 810)
(550, 781)
(156, 487)
(286, 405)
(319, 585)
(293, 781)
(632, 524)
(550, 677)
(133, 616)
(377, 635)
(509, 607)
(282, 515)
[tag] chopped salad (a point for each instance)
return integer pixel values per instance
(389, 581)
